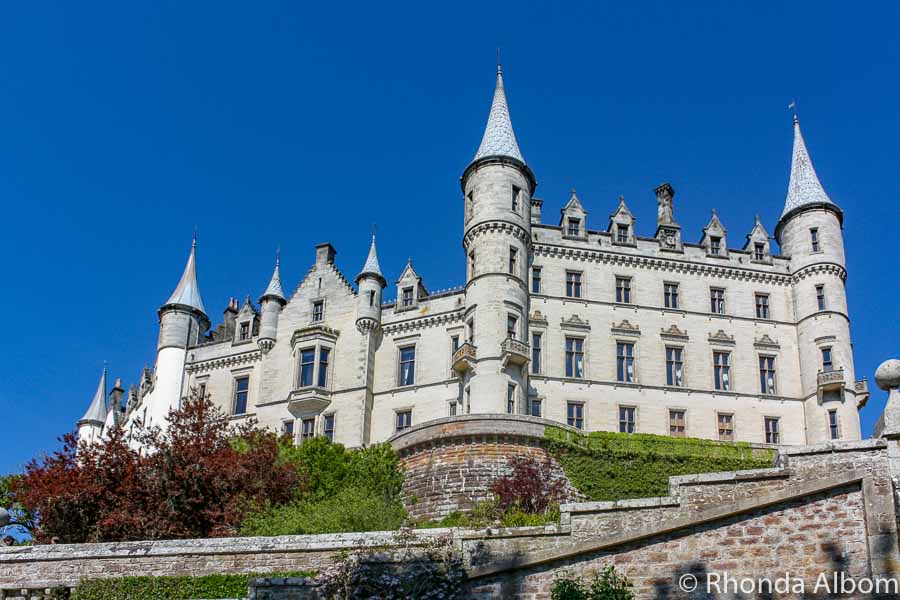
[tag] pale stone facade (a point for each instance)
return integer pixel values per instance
(581, 321)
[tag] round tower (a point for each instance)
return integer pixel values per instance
(497, 189)
(270, 305)
(371, 284)
(810, 233)
(90, 426)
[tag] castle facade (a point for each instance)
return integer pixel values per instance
(580, 321)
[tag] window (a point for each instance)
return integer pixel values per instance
(329, 427)
(814, 239)
(371, 298)
(287, 428)
(575, 415)
(472, 330)
(472, 264)
(536, 353)
(407, 296)
(762, 306)
(722, 370)
(573, 284)
(454, 344)
(726, 427)
(573, 227)
(512, 325)
(676, 423)
(536, 408)
(759, 251)
(307, 366)
(715, 245)
(623, 290)
(767, 374)
(670, 295)
(820, 296)
(717, 301)
(201, 389)
(574, 357)
(408, 365)
(513, 261)
(535, 280)
(626, 419)
(674, 367)
(515, 198)
(307, 428)
(827, 363)
(245, 331)
(622, 234)
(404, 420)
(625, 362)
(833, 430)
(510, 398)
(452, 409)
(323, 366)
(469, 205)
(318, 311)
(772, 433)
(241, 391)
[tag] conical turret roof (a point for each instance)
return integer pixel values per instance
(274, 289)
(499, 138)
(804, 187)
(187, 292)
(372, 267)
(97, 412)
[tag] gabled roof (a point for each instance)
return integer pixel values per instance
(97, 411)
(187, 292)
(274, 289)
(804, 187)
(409, 275)
(499, 138)
(758, 232)
(573, 204)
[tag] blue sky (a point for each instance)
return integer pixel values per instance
(124, 125)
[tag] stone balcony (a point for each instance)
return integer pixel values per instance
(829, 381)
(515, 352)
(305, 400)
(464, 358)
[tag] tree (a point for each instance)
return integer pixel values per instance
(21, 520)
(531, 487)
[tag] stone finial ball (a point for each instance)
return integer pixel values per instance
(4, 517)
(888, 375)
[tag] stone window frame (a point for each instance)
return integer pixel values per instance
(733, 426)
(541, 402)
(830, 350)
(629, 237)
(470, 264)
(412, 297)
(683, 348)
(316, 344)
(767, 305)
(838, 429)
(459, 332)
(769, 353)
(401, 346)
(469, 209)
(236, 374)
(635, 412)
(729, 353)
(759, 251)
(684, 411)
(514, 387)
(248, 324)
(677, 285)
(715, 246)
(540, 281)
(515, 203)
(201, 383)
(292, 421)
(513, 261)
(583, 336)
(579, 226)
(453, 407)
(516, 320)
(584, 413)
(615, 347)
(630, 288)
(542, 363)
(323, 418)
(581, 285)
(815, 241)
(302, 435)
(401, 410)
(778, 430)
(312, 310)
(821, 300)
(715, 288)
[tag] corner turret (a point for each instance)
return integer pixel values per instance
(271, 303)
(90, 426)
(371, 283)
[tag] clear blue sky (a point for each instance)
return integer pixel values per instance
(124, 124)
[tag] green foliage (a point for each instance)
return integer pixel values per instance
(171, 588)
(607, 585)
(489, 514)
(604, 465)
(21, 520)
(349, 490)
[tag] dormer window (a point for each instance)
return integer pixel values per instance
(759, 251)
(574, 227)
(515, 198)
(318, 311)
(622, 233)
(244, 333)
(407, 297)
(715, 245)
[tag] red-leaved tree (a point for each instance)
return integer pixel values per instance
(531, 486)
(196, 478)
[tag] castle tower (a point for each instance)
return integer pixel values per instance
(497, 189)
(371, 283)
(270, 305)
(182, 322)
(90, 426)
(809, 231)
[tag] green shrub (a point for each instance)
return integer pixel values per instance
(489, 514)
(612, 466)
(171, 588)
(607, 585)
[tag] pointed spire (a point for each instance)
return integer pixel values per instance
(97, 412)
(804, 187)
(187, 292)
(274, 289)
(372, 267)
(499, 138)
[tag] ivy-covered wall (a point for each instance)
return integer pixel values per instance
(604, 465)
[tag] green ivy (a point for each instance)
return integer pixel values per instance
(604, 465)
(172, 588)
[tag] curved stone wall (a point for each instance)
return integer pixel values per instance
(451, 463)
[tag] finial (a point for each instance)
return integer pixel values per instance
(573, 191)
(194, 238)
(793, 107)
(756, 217)
(374, 226)
(278, 256)
(499, 63)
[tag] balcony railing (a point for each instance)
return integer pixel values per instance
(464, 358)
(515, 352)
(831, 380)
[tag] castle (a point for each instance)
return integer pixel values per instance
(599, 329)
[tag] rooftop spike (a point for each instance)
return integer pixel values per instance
(97, 411)
(371, 267)
(499, 138)
(187, 292)
(804, 187)
(274, 289)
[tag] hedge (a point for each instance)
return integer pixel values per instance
(172, 588)
(605, 465)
